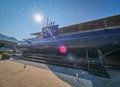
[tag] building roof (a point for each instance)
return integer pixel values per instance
(7, 38)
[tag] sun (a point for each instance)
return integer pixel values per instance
(37, 17)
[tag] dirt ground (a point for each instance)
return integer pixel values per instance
(13, 74)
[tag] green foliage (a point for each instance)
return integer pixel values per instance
(5, 55)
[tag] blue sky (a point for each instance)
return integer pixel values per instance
(16, 15)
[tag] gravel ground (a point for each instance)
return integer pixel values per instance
(13, 74)
(58, 71)
(69, 75)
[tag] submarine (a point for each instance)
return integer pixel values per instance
(106, 38)
(93, 42)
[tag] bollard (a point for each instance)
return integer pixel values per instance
(77, 77)
(24, 66)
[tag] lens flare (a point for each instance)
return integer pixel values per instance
(75, 65)
(83, 72)
(63, 49)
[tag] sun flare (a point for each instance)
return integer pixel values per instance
(37, 17)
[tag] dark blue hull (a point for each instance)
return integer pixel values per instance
(106, 41)
(98, 39)
(82, 50)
